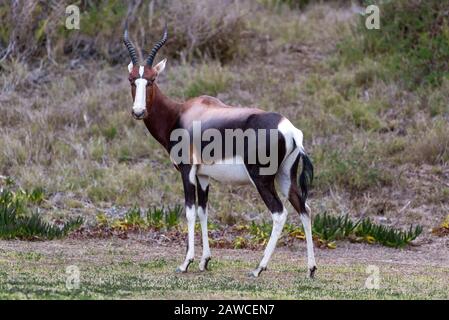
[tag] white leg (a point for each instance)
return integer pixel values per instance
(202, 215)
(278, 224)
(307, 224)
(190, 214)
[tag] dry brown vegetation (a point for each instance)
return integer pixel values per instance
(379, 149)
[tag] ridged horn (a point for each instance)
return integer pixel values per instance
(157, 46)
(129, 46)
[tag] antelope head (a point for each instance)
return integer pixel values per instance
(143, 77)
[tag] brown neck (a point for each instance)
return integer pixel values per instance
(162, 116)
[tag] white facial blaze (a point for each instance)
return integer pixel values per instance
(140, 99)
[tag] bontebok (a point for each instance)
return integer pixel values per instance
(207, 139)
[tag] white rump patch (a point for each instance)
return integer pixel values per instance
(290, 133)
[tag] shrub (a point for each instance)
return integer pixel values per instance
(36, 29)
(206, 28)
(413, 41)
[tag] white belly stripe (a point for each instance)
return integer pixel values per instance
(229, 170)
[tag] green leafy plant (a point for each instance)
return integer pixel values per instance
(385, 235)
(260, 232)
(329, 227)
(17, 223)
(240, 242)
(294, 232)
(135, 218)
(155, 217)
(172, 216)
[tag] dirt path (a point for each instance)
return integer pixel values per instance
(115, 268)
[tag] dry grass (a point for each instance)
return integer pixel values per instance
(67, 128)
(197, 29)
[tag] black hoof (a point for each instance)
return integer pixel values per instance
(206, 264)
(179, 270)
(312, 272)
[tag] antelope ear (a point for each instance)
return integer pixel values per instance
(160, 66)
(130, 66)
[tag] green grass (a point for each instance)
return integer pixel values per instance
(109, 272)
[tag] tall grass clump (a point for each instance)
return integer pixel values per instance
(413, 41)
